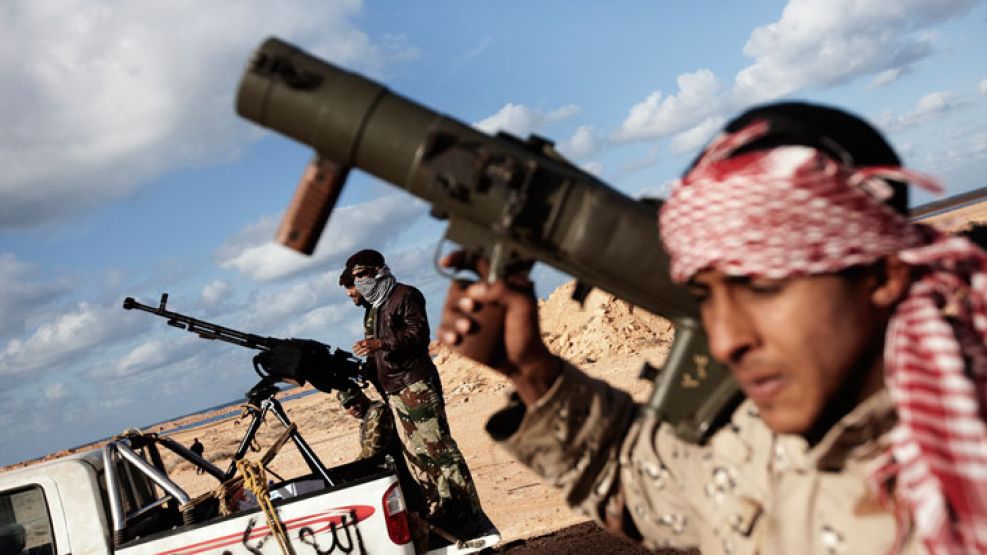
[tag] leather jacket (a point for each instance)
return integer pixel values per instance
(401, 324)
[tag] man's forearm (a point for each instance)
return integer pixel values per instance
(534, 379)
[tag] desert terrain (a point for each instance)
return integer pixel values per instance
(606, 337)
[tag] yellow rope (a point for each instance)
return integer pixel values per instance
(254, 479)
(272, 451)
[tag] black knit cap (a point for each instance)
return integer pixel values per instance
(843, 136)
(366, 257)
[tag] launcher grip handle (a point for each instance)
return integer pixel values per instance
(314, 199)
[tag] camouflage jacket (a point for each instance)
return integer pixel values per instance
(377, 432)
(748, 490)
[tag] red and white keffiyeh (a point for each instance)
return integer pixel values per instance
(792, 211)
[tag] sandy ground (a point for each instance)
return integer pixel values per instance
(606, 337)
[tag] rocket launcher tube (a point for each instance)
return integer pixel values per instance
(522, 193)
(506, 199)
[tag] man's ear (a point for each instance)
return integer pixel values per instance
(895, 283)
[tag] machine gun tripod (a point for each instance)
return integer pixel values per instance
(261, 400)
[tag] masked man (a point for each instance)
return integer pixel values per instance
(857, 336)
(397, 344)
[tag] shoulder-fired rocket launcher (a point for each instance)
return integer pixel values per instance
(506, 199)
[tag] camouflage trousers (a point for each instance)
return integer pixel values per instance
(432, 453)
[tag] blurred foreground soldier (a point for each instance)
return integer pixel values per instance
(397, 345)
(857, 336)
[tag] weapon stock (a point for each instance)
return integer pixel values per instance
(506, 199)
(291, 360)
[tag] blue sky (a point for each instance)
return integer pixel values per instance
(126, 171)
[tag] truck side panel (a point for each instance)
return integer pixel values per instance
(318, 523)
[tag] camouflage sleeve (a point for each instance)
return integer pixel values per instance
(588, 439)
(378, 430)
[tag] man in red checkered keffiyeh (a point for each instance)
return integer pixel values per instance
(801, 204)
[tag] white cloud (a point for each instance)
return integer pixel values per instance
(658, 116)
(693, 139)
(268, 261)
(179, 354)
(146, 355)
(928, 107)
(979, 145)
(84, 329)
(595, 168)
(22, 291)
(935, 102)
(661, 190)
(908, 151)
(982, 87)
(56, 391)
(650, 158)
(963, 154)
(367, 225)
(100, 96)
(818, 44)
(315, 322)
(521, 120)
(216, 292)
(149, 356)
(813, 45)
(583, 143)
(955, 155)
(477, 50)
(270, 307)
(886, 77)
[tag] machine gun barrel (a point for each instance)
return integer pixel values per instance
(203, 329)
(292, 360)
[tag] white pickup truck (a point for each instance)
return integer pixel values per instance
(119, 499)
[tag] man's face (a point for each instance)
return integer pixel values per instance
(790, 343)
(354, 295)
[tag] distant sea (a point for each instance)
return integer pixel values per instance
(224, 414)
(211, 419)
(221, 415)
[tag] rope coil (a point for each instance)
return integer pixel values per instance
(255, 480)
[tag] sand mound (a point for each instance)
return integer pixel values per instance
(602, 328)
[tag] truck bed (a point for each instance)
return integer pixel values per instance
(347, 516)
